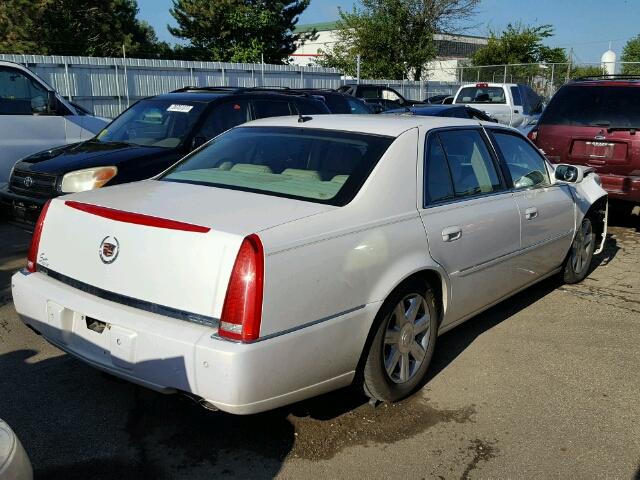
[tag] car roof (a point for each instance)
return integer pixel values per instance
(621, 81)
(429, 109)
(210, 94)
(389, 125)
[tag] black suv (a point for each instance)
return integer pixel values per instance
(339, 102)
(385, 97)
(143, 141)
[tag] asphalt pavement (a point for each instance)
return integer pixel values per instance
(544, 385)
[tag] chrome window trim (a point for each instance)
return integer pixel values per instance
(505, 187)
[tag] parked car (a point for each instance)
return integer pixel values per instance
(338, 102)
(596, 122)
(288, 258)
(384, 96)
(439, 99)
(143, 141)
(511, 104)
(455, 111)
(14, 461)
(33, 116)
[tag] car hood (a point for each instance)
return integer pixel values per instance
(88, 154)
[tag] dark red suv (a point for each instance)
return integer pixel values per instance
(596, 122)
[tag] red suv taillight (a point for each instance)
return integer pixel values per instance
(242, 309)
(32, 257)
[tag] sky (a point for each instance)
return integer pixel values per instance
(587, 26)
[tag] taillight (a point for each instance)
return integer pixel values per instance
(242, 309)
(32, 257)
(533, 134)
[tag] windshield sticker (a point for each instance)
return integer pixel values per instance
(179, 108)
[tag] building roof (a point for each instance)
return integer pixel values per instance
(320, 27)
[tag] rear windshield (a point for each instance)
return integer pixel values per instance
(315, 165)
(481, 95)
(598, 106)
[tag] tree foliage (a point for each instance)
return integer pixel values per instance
(239, 30)
(519, 43)
(394, 38)
(631, 53)
(76, 27)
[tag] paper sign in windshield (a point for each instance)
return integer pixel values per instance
(176, 107)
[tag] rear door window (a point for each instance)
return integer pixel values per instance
(271, 108)
(438, 185)
(481, 95)
(472, 168)
(526, 166)
(368, 92)
(223, 117)
(356, 106)
(598, 105)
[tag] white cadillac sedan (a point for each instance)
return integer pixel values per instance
(293, 256)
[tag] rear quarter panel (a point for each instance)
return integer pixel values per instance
(327, 264)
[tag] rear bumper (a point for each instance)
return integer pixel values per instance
(621, 187)
(169, 355)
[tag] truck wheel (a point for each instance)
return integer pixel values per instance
(576, 266)
(401, 350)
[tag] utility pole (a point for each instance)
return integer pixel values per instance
(569, 67)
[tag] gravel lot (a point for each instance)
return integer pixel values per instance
(546, 384)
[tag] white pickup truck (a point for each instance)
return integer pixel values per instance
(512, 104)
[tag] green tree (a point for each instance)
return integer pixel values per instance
(631, 53)
(394, 38)
(17, 24)
(239, 30)
(522, 48)
(76, 27)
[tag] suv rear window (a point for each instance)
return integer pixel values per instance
(481, 95)
(598, 105)
(307, 164)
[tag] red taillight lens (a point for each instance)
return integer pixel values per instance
(533, 134)
(32, 257)
(242, 309)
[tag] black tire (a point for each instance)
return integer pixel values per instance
(576, 267)
(380, 385)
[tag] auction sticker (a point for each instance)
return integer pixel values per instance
(176, 107)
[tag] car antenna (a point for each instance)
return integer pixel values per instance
(302, 119)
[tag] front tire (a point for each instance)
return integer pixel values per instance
(400, 353)
(578, 262)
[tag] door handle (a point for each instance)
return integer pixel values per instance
(531, 213)
(450, 234)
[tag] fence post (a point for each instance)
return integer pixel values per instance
(301, 78)
(191, 77)
(118, 87)
(504, 77)
(66, 78)
(223, 79)
(358, 68)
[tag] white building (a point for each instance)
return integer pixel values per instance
(452, 50)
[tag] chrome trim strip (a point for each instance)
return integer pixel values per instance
(507, 256)
(215, 335)
(130, 301)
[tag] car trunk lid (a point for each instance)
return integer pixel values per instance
(164, 245)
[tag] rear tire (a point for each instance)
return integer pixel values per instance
(400, 353)
(578, 262)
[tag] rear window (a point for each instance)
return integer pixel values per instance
(481, 95)
(599, 106)
(302, 163)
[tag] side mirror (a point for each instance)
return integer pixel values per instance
(197, 142)
(567, 173)
(52, 102)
